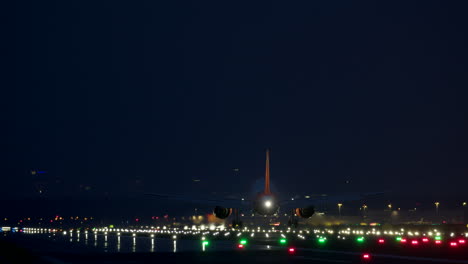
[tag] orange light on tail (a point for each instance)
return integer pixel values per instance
(267, 173)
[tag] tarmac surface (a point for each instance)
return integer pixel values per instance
(57, 248)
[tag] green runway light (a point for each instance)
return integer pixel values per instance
(205, 243)
(243, 241)
(438, 238)
(322, 240)
(283, 241)
(398, 239)
(360, 239)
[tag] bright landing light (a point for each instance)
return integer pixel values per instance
(267, 203)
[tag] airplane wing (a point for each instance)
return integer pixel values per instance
(332, 199)
(224, 202)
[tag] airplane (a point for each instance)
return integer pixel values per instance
(265, 203)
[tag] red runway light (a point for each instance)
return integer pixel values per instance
(366, 256)
(453, 244)
(461, 241)
(240, 246)
(425, 240)
(403, 240)
(291, 250)
(438, 242)
(414, 242)
(381, 241)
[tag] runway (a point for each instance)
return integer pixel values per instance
(228, 246)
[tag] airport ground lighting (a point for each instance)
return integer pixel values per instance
(339, 208)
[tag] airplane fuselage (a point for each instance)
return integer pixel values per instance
(265, 204)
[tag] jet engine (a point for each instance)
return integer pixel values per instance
(306, 212)
(221, 212)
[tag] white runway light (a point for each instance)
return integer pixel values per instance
(268, 204)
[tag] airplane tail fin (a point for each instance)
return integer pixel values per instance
(267, 173)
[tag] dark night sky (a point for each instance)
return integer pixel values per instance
(130, 96)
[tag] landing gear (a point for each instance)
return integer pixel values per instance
(236, 223)
(292, 222)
